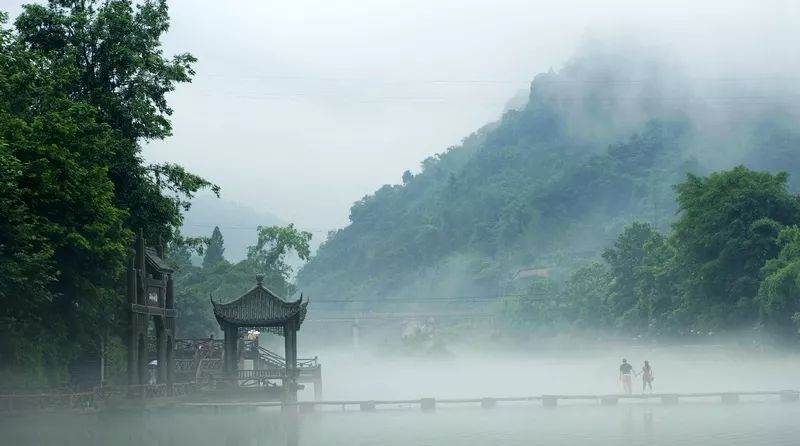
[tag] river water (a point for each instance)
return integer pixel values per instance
(359, 375)
(626, 424)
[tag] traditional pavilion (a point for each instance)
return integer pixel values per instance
(260, 308)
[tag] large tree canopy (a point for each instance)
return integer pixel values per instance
(82, 84)
(727, 230)
(107, 54)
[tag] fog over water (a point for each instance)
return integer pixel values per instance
(474, 375)
(361, 375)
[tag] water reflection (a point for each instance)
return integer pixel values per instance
(649, 429)
(707, 424)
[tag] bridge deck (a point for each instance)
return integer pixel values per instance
(488, 402)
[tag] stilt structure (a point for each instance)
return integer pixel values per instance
(260, 308)
(150, 295)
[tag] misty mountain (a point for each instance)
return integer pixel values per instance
(236, 221)
(599, 144)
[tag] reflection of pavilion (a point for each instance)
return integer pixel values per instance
(260, 308)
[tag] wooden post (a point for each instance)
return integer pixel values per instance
(290, 345)
(161, 353)
(102, 359)
(141, 363)
(730, 398)
(170, 300)
(669, 399)
(170, 366)
(231, 353)
(133, 349)
(318, 383)
(367, 406)
(790, 396)
(132, 332)
(608, 401)
(141, 286)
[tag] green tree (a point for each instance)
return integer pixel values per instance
(82, 83)
(215, 249)
(625, 261)
(779, 292)
(108, 54)
(727, 229)
(587, 293)
(226, 281)
(269, 254)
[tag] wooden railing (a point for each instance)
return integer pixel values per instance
(48, 401)
(93, 399)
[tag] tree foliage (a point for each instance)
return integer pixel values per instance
(225, 281)
(82, 84)
(732, 261)
(779, 292)
(727, 231)
(215, 250)
(584, 172)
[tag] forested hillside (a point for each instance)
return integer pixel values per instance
(599, 145)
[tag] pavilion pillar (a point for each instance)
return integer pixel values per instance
(290, 342)
(141, 363)
(161, 353)
(132, 333)
(133, 357)
(231, 352)
(141, 272)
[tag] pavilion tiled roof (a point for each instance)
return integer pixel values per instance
(259, 307)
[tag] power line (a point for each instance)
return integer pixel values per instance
(603, 101)
(248, 228)
(766, 78)
(537, 296)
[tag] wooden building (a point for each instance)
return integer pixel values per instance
(261, 309)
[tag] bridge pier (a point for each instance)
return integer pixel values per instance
(367, 406)
(428, 404)
(670, 400)
(730, 398)
(549, 401)
(318, 383)
(488, 403)
(790, 396)
(609, 400)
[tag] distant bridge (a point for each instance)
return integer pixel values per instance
(430, 404)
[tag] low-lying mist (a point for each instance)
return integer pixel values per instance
(471, 367)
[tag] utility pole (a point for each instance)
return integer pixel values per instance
(102, 360)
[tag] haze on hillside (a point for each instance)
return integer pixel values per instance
(459, 215)
(308, 106)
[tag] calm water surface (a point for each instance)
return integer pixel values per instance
(762, 423)
(354, 375)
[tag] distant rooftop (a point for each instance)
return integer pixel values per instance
(531, 272)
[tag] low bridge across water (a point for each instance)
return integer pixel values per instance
(430, 404)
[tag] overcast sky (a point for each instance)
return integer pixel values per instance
(301, 107)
